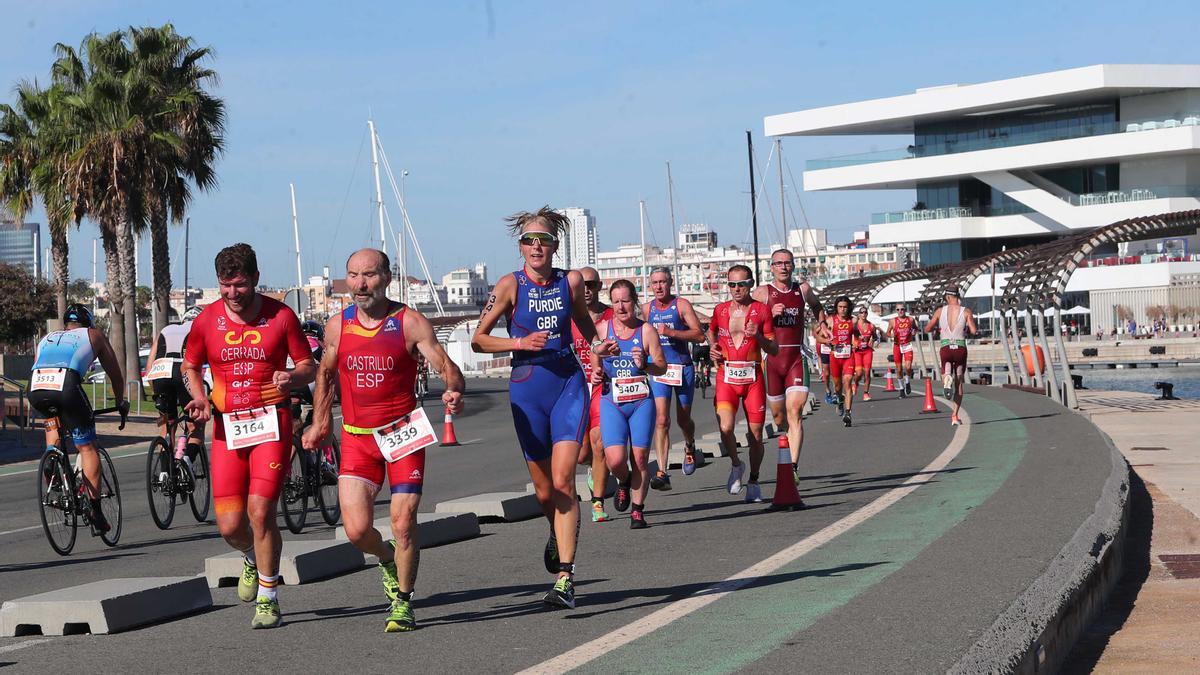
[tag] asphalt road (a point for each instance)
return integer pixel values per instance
(907, 590)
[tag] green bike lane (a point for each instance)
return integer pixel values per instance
(767, 619)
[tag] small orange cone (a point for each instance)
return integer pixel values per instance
(891, 384)
(786, 498)
(449, 439)
(930, 406)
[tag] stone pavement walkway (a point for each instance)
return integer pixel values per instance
(1151, 623)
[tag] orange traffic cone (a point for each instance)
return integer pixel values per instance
(448, 437)
(891, 384)
(930, 406)
(786, 498)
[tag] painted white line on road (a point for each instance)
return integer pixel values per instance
(589, 651)
(21, 645)
(141, 452)
(21, 529)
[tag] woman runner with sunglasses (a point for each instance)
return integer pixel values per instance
(547, 393)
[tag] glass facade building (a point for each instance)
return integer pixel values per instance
(19, 245)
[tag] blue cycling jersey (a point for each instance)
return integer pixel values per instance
(66, 349)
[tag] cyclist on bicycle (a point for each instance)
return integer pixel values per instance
(56, 391)
(702, 357)
(314, 333)
(165, 373)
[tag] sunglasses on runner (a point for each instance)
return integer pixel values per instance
(545, 238)
(745, 283)
(781, 263)
(594, 284)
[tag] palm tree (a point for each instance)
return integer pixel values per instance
(27, 171)
(179, 107)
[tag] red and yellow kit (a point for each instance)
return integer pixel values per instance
(740, 379)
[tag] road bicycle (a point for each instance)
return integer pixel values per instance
(421, 388)
(311, 474)
(175, 476)
(704, 377)
(62, 497)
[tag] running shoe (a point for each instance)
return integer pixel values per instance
(701, 460)
(947, 383)
(391, 583)
(664, 481)
(598, 513)
(828, 398)
(400, 617)
(621, 500)
(98, 521)
(550, 554)
(248, 584)
(734, 484)
(841, 408)
(562, 594)
(590, 484)
(866, 397)
(954, 421)
(908, 388)
(903, 393)
(753, 493)
(689, 460)
(846, 418)
(637, 520)
(266, 613)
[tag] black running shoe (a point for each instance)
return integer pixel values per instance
(637, 520)
(562, 594)
(621, 500)
(846, 418)
(550, 555)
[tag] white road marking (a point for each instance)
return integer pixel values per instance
(141, 452)
(21, 529)
(589, 651)
(21, 645)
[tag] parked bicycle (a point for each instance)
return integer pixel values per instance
(62, 496)
(175, 476)
(311, 473)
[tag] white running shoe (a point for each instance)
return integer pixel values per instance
(947, 383)
(753, 493)
(734, 484)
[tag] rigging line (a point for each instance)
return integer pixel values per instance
(796, 191)
(762, 192)
(346, 198)
(758, 197)
(387, 166)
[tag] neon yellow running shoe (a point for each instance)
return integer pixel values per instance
(266, 614)
(400, 617)
(248, 584)
(391, 582)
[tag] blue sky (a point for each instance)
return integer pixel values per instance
(504, 106)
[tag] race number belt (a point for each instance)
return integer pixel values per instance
(48, 379)
(161, 369)
(405, 436)
(245, 428)
(824, 348)
(906, 348)
(673, 377)
(741, 372)
(954, 344)
(842, 351)
(630, 389)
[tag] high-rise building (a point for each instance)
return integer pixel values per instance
(578, 247)
(20, 245)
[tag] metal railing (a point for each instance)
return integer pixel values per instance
(25, 411)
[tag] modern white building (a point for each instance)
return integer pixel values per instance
(578, 245)
(1026, 160)
(1018, 161)
(466, 285)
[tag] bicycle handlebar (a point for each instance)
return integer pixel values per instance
(123, 409)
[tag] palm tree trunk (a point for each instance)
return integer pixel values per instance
(62, 273)
(116, 294)
(160, 253)
(125, 255)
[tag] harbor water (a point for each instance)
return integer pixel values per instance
(1186, 379)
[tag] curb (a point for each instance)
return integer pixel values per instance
(1038, 629)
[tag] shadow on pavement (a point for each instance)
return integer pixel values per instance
(893, 476)
(195, 536)
(1023, 417)
(61, 562)
(1136, 562)
(743, 513)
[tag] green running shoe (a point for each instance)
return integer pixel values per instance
(400, 617)
(266, 614)
(391, 584)
(248, 584)
(562, 594)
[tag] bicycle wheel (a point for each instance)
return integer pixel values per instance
(201, 495)
(110, 498)
(56, 501)
(160, 483)
(293, 500)
(329, 461)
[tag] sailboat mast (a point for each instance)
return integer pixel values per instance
(674, 232)
(753, 201)
(782, 198)
(296, 234)
(642, 227)
(378, 190)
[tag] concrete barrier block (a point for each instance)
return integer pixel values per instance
(300, 562)
(433, 529)
(493, 506)
(581, 487)
(103, 607)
